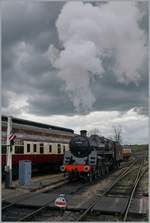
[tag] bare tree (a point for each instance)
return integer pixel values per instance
(117, 134)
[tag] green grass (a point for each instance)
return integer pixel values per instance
(139, 148)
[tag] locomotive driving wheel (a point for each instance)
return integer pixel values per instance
(107, 170)
(99, 172)
(103, 170)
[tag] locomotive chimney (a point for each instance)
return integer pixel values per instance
(83, 133)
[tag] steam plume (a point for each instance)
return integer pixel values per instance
(89, 34)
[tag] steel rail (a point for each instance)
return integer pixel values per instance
(29, 194)
(138, 178)
(127, 171)
(37, 178)
(122, 175)
(38, 210)
(46, 205)
(41, 186)
(26, 217)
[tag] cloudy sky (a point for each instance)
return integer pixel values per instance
(77, 65)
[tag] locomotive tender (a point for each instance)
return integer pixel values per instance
(126, 152)
(91, 157)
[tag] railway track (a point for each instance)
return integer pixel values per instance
(41, 186)
(6, 205)
(46, 214)
(139, 175)
(15, 212)
(129, 192)
(71, 214)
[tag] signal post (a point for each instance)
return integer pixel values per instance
(10, 143)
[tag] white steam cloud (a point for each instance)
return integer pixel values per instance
(89, 34)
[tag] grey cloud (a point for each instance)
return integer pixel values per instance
(144, 21)
(50, 104)
(26, 21)
(37, 80)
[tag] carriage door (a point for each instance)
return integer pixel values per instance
(41, 148)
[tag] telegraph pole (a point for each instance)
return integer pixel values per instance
(8, 169)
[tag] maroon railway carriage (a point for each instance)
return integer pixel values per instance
(43, 144)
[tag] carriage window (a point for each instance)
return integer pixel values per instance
(41, 148)
(28, 148)
(64, 149)
(34, 148)
(4, 150)
(19, 149)
(50, 148)
(59, 148)
(4, 141)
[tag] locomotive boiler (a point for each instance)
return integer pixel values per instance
(91, 157)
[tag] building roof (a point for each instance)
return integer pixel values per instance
(36, 124)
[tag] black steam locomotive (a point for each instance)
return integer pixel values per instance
(91, 157)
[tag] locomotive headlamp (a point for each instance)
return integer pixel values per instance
(62, 168)
(86, 168)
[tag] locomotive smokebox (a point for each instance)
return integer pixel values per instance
(83, 133)
(79, 145)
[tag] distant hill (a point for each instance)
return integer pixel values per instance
(139, 147)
